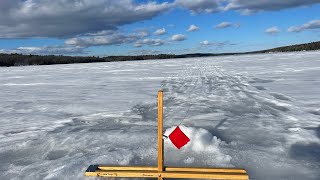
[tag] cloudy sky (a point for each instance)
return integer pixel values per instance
(132, 27)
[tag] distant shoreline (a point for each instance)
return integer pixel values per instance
(25, 60)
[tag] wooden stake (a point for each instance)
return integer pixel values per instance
(160, 131)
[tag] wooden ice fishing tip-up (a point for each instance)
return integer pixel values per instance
(160, 171)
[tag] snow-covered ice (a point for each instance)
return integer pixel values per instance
(258, 112)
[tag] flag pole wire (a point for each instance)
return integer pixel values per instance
(189, 100)
(189, 107)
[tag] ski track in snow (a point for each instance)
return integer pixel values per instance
(239, 111)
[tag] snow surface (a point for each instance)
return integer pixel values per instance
(258, 112)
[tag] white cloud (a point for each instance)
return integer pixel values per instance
(315, 24)
(216, 45)
(247, 7)
(205, 42)
(139, 52)
(101, 33)
(193, 28)
(61, 18)
(100, 40)
(143, 33)
(223, 25)
(46, 50)
(178, 37)
(199, 6)
(149, 42)
(106, 38)
(237, 25)
(160, 31)
(272, 30)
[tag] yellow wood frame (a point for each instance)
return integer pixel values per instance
(160, 171)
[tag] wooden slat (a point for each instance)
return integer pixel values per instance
(129, 174)
(173, 174)
(160, 125)
(194, 169)
(178, 169)
(203, 175)
(128, 168)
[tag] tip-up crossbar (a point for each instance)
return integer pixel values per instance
(168, 172)
(160, 171)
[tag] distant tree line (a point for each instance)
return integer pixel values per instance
(24, 60)
(299, 47)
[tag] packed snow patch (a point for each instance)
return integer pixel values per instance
(201, 141)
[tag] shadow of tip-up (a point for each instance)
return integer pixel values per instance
(306, 151)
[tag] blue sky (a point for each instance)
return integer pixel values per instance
(128, 27)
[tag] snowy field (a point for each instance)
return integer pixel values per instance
(258, 112)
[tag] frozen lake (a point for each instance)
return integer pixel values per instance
(258, 112)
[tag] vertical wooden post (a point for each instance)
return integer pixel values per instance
(160, 131)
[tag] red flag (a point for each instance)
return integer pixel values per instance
(178, 138)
